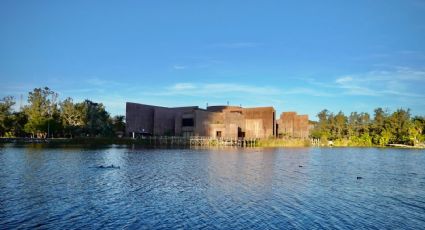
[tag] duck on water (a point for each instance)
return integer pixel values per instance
(108, 167)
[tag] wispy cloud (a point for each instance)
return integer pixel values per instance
(307, 91)
(95, 81)
(183, 86)
(351, 88)
(400, 81)
(232, 89)
(179, 67)
(396, 81)
(217, 89)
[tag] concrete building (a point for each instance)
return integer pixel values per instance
(215, 121)
(292, 125)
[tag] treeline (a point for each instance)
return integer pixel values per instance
(45, 116)
(360, 129)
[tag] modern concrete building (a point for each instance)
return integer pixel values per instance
(292, 125)
(215, 121)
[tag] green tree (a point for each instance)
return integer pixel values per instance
(399, 124)
(419, 125)
(42, 112)
(377, 126)
(6, 118)
(340, 123)
(97, 121)
(323, 125)
(19, 119)
(118, 123)
(72, 117)
(364, 123)
(352, 127)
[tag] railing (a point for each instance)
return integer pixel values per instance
(200, 141)
(208, 141)
(315, 142)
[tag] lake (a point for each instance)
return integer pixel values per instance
(230, 188)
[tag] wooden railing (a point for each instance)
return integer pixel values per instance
(200, 141)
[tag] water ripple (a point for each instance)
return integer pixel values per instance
(212, 189)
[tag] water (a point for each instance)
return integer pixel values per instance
(228, 188)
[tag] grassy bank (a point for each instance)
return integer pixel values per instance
(273, 142)
(270, 142)
(357, 142)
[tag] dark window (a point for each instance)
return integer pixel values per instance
(240, 133)
(218, 134)
(187, 122)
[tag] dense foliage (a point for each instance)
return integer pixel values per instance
(44, 116)
(359, 129)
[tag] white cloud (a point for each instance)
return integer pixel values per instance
(215, 90)
(399, 81)
(179, 67)
(344, 80)
(95, 81)
(218, 90)
(183, 86)
(308, 91)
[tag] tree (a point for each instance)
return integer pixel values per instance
(19, 119)
(419, 125)
(353, 126)
(71, 116)
(97, 121)
(399, 125)
(364, 123)
(42, 112)
(340, 125)
(322, 129)
(118, 123)
(6, 104)
(377, 127)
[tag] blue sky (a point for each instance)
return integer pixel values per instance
(303, 56)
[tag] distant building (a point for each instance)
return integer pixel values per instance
(292, 125)
(215, 121)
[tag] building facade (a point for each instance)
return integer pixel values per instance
(214, 121)
(292, 125)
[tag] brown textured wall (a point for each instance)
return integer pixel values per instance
(203, 120)
(164, 121)
(230, 120)
(293, 125)
(155, 120)
(139, 117)
(262, 118)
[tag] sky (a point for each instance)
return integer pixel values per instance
(302, 56)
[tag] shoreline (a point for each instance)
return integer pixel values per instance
(104, 141)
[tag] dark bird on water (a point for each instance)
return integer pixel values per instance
(359, 178)
(108, 167)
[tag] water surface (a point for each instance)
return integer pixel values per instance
(285, 188)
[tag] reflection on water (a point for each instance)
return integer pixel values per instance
(215, 188)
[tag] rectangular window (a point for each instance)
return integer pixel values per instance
(218, 134)
(187, 122)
